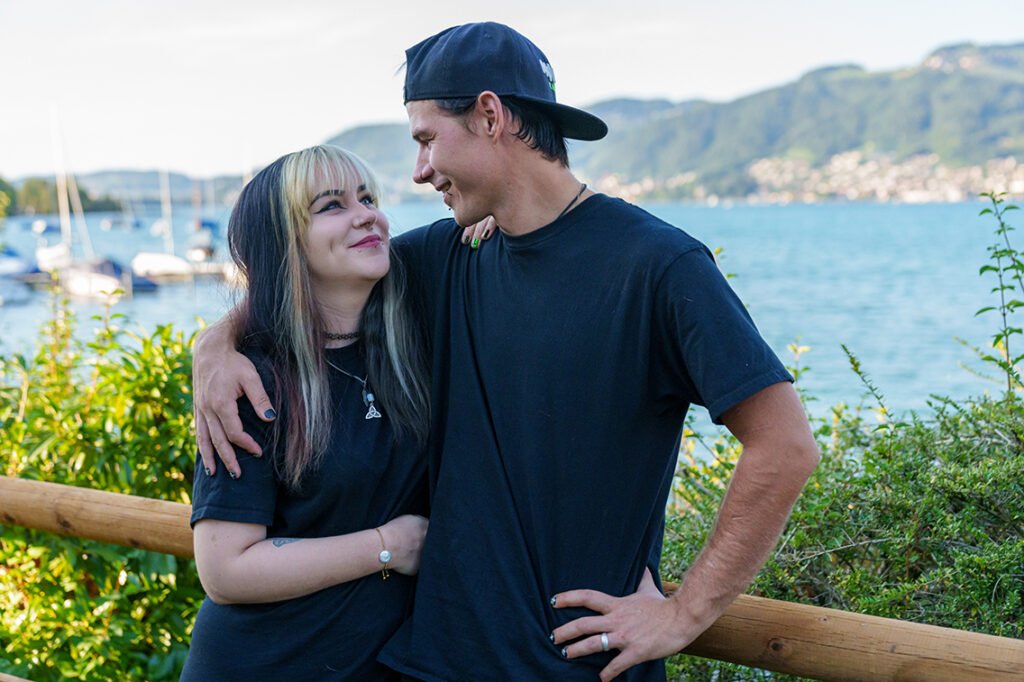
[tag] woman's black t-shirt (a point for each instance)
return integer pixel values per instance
(364, 480)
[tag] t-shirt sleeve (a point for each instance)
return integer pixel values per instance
(409, 247)
(423, 252)
(250, 498)
(715, 355)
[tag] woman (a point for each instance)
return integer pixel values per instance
(307, 557)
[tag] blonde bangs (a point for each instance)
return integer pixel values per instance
(313, 170)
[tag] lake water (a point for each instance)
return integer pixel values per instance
(896, 283)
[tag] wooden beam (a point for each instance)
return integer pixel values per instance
(809, 641)
(156, 525)
(829, 644)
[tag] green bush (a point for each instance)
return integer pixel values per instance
(113, 414)
(921, 522)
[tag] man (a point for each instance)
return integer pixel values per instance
(565, 354)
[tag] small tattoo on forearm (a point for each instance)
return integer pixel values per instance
(281, 542)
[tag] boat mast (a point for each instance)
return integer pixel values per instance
(68, 188)
(165, 210)
(62, 184)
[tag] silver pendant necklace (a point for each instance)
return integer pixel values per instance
(372, 412)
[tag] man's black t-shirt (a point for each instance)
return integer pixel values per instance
(564, 362)
(364, 480)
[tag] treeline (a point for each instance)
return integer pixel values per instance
(39, 196)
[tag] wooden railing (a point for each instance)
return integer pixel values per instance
(809, 641)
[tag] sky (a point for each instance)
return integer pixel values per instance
(208, 87)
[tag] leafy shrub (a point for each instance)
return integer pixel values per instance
(113, 414)
(924, 522)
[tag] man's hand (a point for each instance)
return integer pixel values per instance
(642, 626)
(220, 376)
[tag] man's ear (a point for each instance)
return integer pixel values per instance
(491, 114)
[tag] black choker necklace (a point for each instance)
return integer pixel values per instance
(583, 188)
(341, 337)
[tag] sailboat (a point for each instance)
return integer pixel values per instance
(90, 276)
(163, 264)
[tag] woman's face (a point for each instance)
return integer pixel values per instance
(347, 242)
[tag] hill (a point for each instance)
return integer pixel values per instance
(963, 103)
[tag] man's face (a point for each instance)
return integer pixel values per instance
(455, 160)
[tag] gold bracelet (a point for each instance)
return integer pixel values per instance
(384, 557)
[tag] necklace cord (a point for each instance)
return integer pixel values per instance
(583, 188)
(368, 397)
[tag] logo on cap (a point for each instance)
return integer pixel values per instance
(549, 73)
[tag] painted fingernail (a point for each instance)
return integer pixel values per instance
(465, 239)
(270, 414)
(565, 652)
(208, 472)
(552, 637)
(232, 474)
(476, 242)
(553, 601)
(487, 234)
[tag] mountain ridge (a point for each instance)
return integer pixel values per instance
(963, 104)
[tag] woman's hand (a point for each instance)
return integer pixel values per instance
(404, 536)
(475, 234)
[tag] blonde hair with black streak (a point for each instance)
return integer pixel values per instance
(267, 233)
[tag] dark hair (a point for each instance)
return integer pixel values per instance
(279, 315)
(536, 129)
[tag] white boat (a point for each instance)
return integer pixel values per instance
(85, 276)
(163, 264)
(81, 278)
(52, 258)
(84, 280)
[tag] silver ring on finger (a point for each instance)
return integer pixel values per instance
(604, 641)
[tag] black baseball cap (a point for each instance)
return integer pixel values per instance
(463, 61)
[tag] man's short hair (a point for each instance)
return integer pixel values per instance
(538, 131)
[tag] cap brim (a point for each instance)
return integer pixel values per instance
(574, 123)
